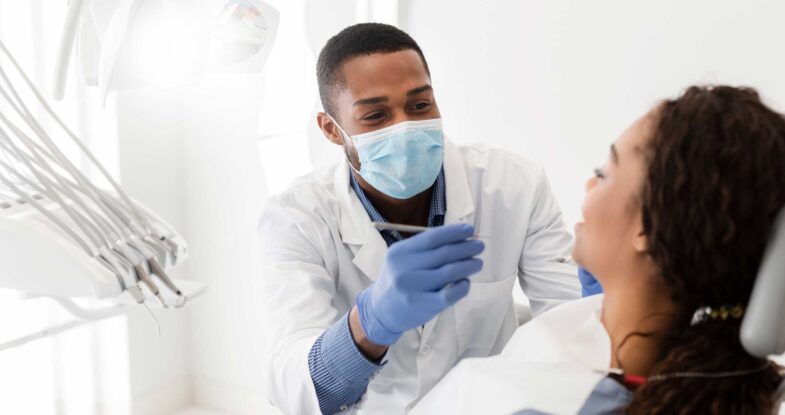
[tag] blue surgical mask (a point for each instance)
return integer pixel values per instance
(401, 160)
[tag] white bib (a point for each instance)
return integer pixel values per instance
(550, 365)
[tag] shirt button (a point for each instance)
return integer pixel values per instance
(344, 407)
(425, 351)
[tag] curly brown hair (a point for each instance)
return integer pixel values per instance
(714, 185)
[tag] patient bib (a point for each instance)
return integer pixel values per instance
(551, 365)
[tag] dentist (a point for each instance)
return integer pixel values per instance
(363, 321)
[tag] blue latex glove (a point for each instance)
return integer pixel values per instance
(589, 284)
(421, 276)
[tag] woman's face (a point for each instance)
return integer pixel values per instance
(609, 242)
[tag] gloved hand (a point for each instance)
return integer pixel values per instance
(421, 276)
(589, 284)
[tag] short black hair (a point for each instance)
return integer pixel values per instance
(357, 40)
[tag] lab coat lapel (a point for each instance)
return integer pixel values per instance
(356, 227)
(460, 204)
(370, 257)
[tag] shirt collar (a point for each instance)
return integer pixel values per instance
(435, 215)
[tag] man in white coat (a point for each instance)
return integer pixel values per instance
(367, 321)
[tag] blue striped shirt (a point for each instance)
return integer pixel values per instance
(340, 372)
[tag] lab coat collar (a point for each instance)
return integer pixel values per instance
(357, 229)
(460, 203)
(354, 223)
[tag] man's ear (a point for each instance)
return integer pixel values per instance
(329, 128)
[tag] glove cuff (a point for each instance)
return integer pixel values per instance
(372, 326)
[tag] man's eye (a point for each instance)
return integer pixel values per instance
(598, 173)
(374, 116)
(422, 105)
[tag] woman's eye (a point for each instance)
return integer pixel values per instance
(598, 173)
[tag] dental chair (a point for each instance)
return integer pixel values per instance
(763, 328)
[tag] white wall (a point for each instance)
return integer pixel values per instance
(152, 172)
(558, 80)
(191, 155)
(225, 186)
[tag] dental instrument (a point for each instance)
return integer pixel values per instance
(62, 236)
(412, 229)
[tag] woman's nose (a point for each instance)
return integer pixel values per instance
(590, 183)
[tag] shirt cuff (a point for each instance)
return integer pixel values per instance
(339, 371)
(342, 358)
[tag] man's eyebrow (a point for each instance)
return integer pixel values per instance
(614, 154)
(381, 99)
(370, 101)
(419, 89)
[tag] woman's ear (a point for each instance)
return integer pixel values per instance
(640, 242)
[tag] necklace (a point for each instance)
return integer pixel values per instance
(635, 381)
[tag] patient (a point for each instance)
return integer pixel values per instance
(675, 226)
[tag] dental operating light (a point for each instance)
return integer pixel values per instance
(134, 43)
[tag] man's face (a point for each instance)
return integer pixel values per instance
(379, 90)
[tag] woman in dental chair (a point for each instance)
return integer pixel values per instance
(675, 226)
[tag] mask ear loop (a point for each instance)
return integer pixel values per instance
(346, 136)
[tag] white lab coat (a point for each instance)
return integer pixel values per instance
(320, 249)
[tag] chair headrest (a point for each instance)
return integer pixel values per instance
(763, 327)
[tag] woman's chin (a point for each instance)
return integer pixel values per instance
(577, 247)
(578, 238)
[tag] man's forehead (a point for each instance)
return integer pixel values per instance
(383, 73)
